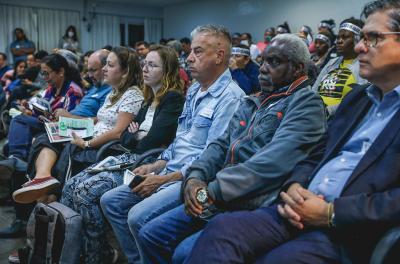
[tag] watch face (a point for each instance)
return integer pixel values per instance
(202, 196)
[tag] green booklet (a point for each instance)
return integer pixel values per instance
(82, 127)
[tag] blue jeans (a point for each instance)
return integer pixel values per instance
(82, 193)
(22, 129)
(161, 236)
(261, 236)
(127, 213)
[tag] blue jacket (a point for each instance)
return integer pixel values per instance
(370, 202)
(265, 140)
(247, 78)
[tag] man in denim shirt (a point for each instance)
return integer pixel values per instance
(210, 104)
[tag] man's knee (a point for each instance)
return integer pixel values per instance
(136, 219)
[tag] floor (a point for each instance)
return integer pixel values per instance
(7, 215)
(7, 245)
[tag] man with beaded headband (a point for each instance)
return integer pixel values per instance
(244, 71)
(340, 74)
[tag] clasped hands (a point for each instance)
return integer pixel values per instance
(303, 208)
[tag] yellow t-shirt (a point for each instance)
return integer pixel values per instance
(336, 84)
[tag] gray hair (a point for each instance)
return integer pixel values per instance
(217, 31)
(390, 7)
(295, 50)
(175, 45)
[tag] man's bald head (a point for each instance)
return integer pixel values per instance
(96, 62)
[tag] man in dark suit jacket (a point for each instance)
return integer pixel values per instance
(345, 199)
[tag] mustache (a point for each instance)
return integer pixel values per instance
(265, 83)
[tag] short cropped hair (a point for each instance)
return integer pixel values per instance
(391, 7)
(216, 31)
(295, 50)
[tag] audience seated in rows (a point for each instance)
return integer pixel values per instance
(210, 104)
(265, 165)
(340, 74)
(244, 168)
(160, 111)
(337, 205)
(123, 73)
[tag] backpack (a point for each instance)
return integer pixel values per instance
(54, 234)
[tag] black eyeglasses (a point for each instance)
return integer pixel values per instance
(45, 73)
(371, 39)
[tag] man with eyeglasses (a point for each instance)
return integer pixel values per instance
(345, 199)
(242, 170)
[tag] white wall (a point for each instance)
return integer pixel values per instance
(127, 12)
(255, 15)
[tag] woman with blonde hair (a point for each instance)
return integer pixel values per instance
(154, 126)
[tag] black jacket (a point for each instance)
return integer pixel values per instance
(163, 129)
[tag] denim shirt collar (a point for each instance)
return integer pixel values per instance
(375, 94)
(217, 88)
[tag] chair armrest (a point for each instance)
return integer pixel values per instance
(385, 245)
(147, 154)
(104, 148)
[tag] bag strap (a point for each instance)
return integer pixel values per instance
(41, 232)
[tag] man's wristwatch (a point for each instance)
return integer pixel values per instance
(87, 144)
(202, 196)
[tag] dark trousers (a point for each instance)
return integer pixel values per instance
(22, 130)
(261, 236)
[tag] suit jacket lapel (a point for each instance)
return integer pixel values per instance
(377, 148)
(359, 111)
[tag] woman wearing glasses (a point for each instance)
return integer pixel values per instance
(123, 73)
(154, 126)
(64, 91)
(340, 74)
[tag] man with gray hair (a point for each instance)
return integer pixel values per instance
(210, 104)
(245, 167)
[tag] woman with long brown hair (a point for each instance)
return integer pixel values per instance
(154, 126)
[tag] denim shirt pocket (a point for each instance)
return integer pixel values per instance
(200, 128)
(267, 124)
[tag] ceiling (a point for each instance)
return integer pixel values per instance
(149, 3)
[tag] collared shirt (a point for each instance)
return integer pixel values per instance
(204, 118)
(4, 70)
(332, 177)
(19, 44)
(92, 101)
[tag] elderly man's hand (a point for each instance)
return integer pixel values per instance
(286, 211)
(192, 206)
(312, 212)
(149, 185)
